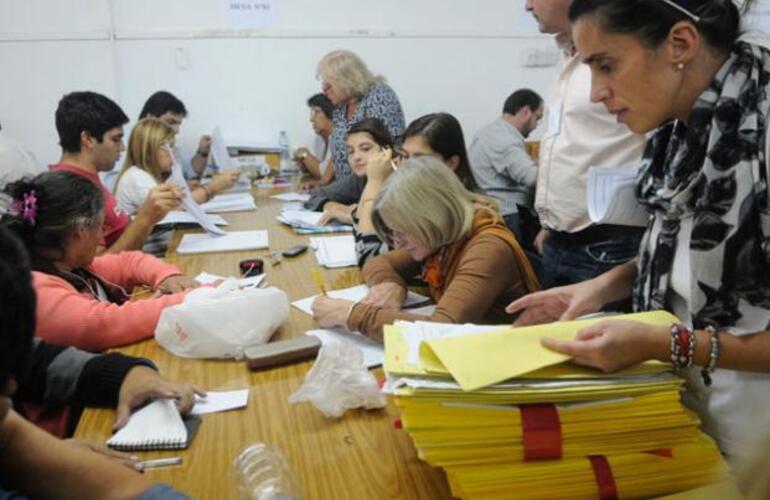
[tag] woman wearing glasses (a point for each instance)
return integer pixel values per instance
(83, 300)
(455, 240)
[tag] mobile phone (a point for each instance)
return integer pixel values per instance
(282, 352)
(251, 267)
(294, 251)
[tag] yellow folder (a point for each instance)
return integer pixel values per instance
(479, 360)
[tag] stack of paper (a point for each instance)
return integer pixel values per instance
(500, 413)
(180, 217)
(335, 251)
(236, 240)
(307, 222)
(235, 202)
(302, 197)
(612, 199)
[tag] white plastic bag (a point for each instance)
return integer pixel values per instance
(221, 322)
(339, 381)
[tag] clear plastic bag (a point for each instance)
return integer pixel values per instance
(221, 322)
(261, 472)
(339, 381)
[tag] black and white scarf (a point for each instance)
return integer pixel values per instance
(714, 170)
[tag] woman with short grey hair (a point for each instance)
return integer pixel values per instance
(356, 93)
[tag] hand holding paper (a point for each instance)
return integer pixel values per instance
(612, 345)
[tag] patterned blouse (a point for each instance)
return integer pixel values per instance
(368, 244)
(381, 102)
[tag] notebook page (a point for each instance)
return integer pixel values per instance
(156, 425)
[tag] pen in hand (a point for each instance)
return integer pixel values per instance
(318, 280)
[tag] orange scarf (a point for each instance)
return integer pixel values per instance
(439, 269)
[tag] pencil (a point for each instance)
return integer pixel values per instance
(318, 280)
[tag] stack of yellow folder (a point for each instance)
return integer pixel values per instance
(500, 413)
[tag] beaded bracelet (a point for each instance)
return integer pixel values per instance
(707, 370)
(682, 346)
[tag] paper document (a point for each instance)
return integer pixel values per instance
(234, 202)
(354, 294)
(292, 196)
(612, 198)
(374, 353)
(188, 202)
(180, 217)
(476, 361)
(335, 251)
(220, 401)
(418, 332)
(237, 240)
(307, 221)
(219, 152)
(250, 282)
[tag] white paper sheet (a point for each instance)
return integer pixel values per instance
(235, 202)
(374, 352)
(305, 218)
(354, 294)
(219, 152)
(292, 197)
(236, 240)
(421, 331)
(220, 401)
(188, 202)
(179, 217)
(611, 197)
(205, 278)
(335, 251)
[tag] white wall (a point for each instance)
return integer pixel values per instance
(439, 55)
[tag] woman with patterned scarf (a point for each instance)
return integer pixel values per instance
(455, 240)
(680, 68)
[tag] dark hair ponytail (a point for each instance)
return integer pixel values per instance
(63, 201)
(651, 20)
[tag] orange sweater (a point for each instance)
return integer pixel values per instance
(68, 317)
(471, 280)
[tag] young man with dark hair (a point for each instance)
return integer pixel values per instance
(167, 107)
(32, 462)
(501, 165)
(316, 162)
(90, 128)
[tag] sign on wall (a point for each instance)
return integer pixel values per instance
(248, 14)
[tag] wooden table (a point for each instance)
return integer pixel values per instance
(360, 456)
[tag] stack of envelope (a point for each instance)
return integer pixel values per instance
(501, 414)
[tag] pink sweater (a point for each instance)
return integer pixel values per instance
(68, 317)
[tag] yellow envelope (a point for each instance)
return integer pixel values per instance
(479, 360)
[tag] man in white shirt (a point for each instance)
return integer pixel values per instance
(15, 163)
(499, 160)
(580, 134)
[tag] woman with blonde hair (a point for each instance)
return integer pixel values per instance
(356, 93)
(149, 160)
(454, 239)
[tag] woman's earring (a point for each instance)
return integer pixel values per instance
(680, 66)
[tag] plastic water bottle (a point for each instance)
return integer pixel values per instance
(287, 165)
(261, 472)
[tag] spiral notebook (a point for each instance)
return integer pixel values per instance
(157, 426)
